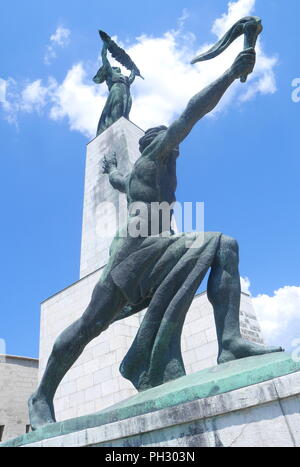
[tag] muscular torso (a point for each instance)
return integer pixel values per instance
(116, 77)
(153, 181)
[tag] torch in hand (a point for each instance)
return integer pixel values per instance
(250, 26)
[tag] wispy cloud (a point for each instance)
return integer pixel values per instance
(170, 79)
(278, 314)
(236, 11)
(245, 285)
(2, 90)
(263, 79)
(2, 347)
(74, 95)
(10, 101)
(61, 38)
(34, 96)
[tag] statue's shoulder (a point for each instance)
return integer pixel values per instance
(119, 78)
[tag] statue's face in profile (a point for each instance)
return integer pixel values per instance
(117, 69)
(100, 76)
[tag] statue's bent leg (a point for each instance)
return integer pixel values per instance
(224, 292)
(107, 301)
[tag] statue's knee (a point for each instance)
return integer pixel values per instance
(229, 243)
(228, 255)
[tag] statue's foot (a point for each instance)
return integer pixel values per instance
(41, 411)
(241, 348)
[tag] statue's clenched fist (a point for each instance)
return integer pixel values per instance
(109, 163)
(244, 64)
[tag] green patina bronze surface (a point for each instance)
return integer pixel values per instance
(119, 100)
(206, 383)
(152, 267)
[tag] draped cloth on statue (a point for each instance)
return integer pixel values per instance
(166, 273)
(118, 103)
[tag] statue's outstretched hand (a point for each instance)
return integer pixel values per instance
(244, 63)
(109, 163)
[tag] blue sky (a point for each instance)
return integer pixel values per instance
(243, 162)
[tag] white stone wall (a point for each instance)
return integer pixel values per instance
(94, 381)
(18, 380)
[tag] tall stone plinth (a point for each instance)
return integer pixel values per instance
(103, 205)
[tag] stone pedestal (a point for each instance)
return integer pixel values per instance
(102, 203)
(253, 402)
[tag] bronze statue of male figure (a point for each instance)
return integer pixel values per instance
(158, 272)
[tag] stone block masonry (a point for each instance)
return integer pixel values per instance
(18, 380)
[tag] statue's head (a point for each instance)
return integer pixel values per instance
(150, 136)
(117, 69)
(100, 76)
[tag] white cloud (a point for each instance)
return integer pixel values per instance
(34, 96)
(61, 38)
(78, 101)
(170, 79)
(2, 90)
(183, 18)
(262, 81)
(278, 314)
(245, 285)
(236, 11)
(10, 103)
(50, 55)
(266, 81)
(2, 347)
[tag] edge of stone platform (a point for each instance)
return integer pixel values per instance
(206, 383)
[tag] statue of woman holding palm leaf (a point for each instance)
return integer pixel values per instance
(119, 100)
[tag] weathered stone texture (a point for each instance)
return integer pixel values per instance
(101, 201)
(265, 414)
(18, 380)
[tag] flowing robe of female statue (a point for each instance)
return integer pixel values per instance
(119, 100)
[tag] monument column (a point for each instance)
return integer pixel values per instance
(102, 204)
